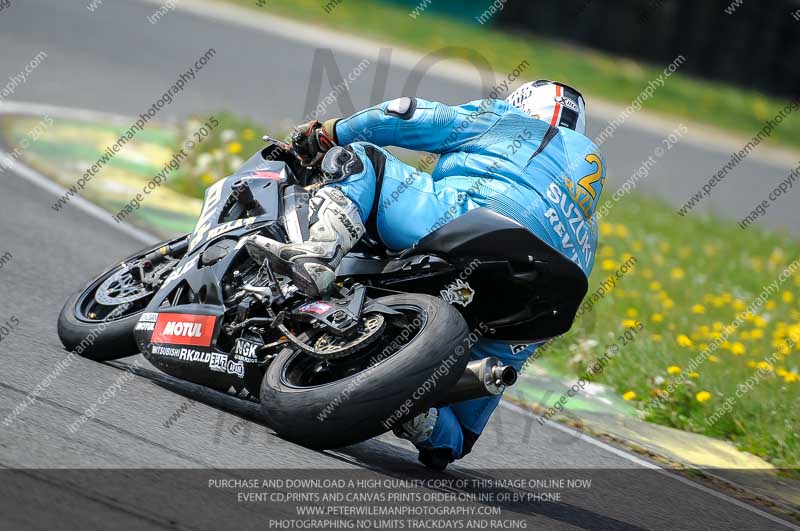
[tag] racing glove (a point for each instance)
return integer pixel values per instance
(313, 139)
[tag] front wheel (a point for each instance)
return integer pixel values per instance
(332, 403)
(97, 321)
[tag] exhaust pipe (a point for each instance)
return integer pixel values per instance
(482, 378)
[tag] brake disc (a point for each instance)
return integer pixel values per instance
(121, 288)
(329, 346)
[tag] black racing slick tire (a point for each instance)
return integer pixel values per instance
(97, 341)
(389, 388)
(102, 339)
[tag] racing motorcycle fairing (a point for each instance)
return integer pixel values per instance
(205, 279)
(540, 291)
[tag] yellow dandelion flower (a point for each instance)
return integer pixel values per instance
(668, 303)
(656, 337)
(657, 317)
(790, 377)
(632, 312)
(608, 265)
(702, 346)
(787, 297)
(673, 370)
(621, 231)
(751, 364)
(684, 341)
(772, 304)
(698, 308)
(629, 323)
(760, 108)
(248, 134)
(739, 305)
(713, 359)
(629, 395)
(606, 229)
(234, 148)
(694, 375)
(655, 285)
(677, 273)
(703, 396)
(764, 365)
(737, 349)
(760, 321)
(637, 245)
(207, 178)
(757, 334)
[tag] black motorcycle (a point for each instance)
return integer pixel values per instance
(392, 340)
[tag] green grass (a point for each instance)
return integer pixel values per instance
(692, 277)
(692, 274)
(220, 154)
(597, 74)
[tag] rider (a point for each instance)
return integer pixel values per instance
(526, 158)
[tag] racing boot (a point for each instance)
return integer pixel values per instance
(418, 429)
(335, 227)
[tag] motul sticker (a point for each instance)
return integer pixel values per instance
(184, 329)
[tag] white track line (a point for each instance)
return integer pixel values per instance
(699, 135)
(144, 237)
(33, 176)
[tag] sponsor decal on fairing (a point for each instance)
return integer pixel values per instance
(220, 363)
(245, 351)
(184, 329)
(459, 292)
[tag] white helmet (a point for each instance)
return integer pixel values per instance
(556, 103)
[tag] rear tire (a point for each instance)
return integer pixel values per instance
(355, 408)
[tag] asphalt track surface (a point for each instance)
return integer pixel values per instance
(54, 253)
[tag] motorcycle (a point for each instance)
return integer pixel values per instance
(390, 341)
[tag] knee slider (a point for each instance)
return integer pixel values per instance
(403, 107)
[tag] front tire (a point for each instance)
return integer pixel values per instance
(108, 336)
(99, 341)
(358, 406)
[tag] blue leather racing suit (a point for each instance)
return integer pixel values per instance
(548, 179)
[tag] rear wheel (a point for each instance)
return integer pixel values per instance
(328, 403)
(97, 322)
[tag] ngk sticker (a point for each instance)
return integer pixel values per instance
(184, 329)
